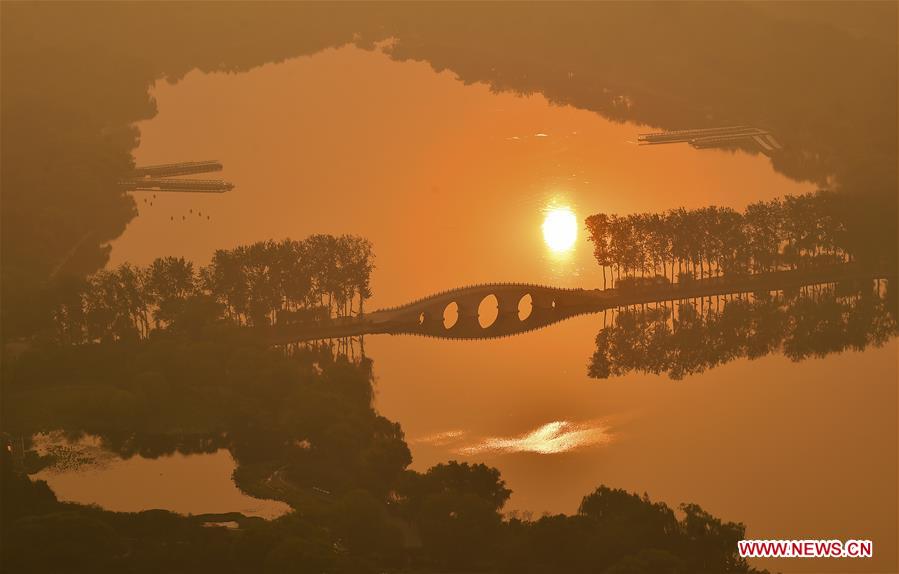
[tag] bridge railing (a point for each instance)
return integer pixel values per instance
(475, 286)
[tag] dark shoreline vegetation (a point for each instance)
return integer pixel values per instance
(262, 284)
(302, 429)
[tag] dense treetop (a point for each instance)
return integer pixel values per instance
(796, 232)
(260, 284)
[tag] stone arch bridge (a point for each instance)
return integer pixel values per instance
(549, 305)
(425, 316)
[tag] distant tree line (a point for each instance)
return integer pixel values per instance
(791, 233)
(689, 338)
(268, 282)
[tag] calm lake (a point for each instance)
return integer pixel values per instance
(454, 185)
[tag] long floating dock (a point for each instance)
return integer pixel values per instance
(162, 178)
(702, 138)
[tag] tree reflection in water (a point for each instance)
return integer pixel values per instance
(689, 337)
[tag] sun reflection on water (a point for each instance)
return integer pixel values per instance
(560, 229)
(551, 438)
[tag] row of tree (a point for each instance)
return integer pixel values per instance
(265, 283)
(790, 233)
(691, 338)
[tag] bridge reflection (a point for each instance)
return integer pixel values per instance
(425, 316)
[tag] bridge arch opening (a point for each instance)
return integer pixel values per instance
(525, 307)
(488, 311)
(451, 315)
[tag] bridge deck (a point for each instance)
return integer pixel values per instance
(566, 303)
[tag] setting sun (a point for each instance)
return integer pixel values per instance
(560, 229)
